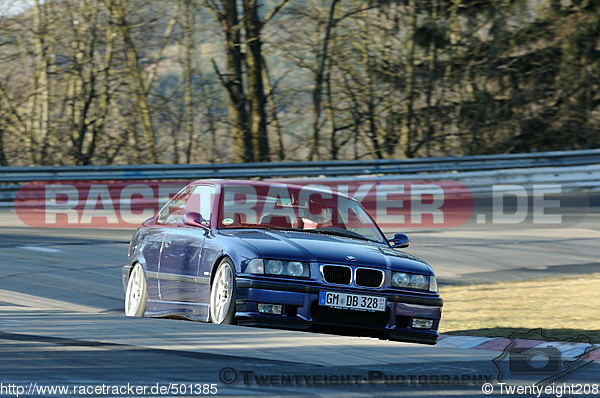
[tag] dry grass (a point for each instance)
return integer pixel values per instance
(562, 307)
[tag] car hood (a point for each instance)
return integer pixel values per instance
(312, 247)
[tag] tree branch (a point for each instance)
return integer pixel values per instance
(358, 11)
(166, 36)
(219, 75)
(274, 12)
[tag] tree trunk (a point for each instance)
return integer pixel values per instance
(188, 96)
(431, 61)
(105, 94)
(254, 75)
(273, 108)
(233, 81)
(117, 12)
(318, 89)
(41, 107)
(406, 132)
(3, 161)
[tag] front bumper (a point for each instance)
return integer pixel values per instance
(301, 310)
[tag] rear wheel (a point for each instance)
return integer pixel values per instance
(136, 294)
(222, 294)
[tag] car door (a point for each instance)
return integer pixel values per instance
(179, 278)
(148, 242)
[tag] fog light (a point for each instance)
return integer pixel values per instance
(274, 309)
(420, 323)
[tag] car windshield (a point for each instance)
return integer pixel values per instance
(296, 209)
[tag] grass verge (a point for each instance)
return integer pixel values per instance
(562, 307)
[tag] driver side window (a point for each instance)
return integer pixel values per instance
(173, 212)
(199, 199)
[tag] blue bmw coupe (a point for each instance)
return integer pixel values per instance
(279, 255)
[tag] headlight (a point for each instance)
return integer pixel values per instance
(278, 267)
(419, 282)
(273, 267)
(295, 268)
(415, 281)
(400, 279)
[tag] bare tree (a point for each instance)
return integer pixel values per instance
(117, 13)
(227, 15)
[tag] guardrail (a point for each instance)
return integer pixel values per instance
(300, 169)
(575, 170)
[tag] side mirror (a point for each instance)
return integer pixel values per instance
(399, 241)
(194, 219)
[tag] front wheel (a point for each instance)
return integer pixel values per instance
(222, 294)
(136, 294)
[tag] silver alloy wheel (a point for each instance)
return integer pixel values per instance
(222, 292)
(137, 292)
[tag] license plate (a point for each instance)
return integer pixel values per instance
(352, 301)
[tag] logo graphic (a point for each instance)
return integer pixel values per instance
(126, 204)
(350, 258)
(534, 357)
(535, 361)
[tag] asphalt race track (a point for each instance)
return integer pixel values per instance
(62, 322)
